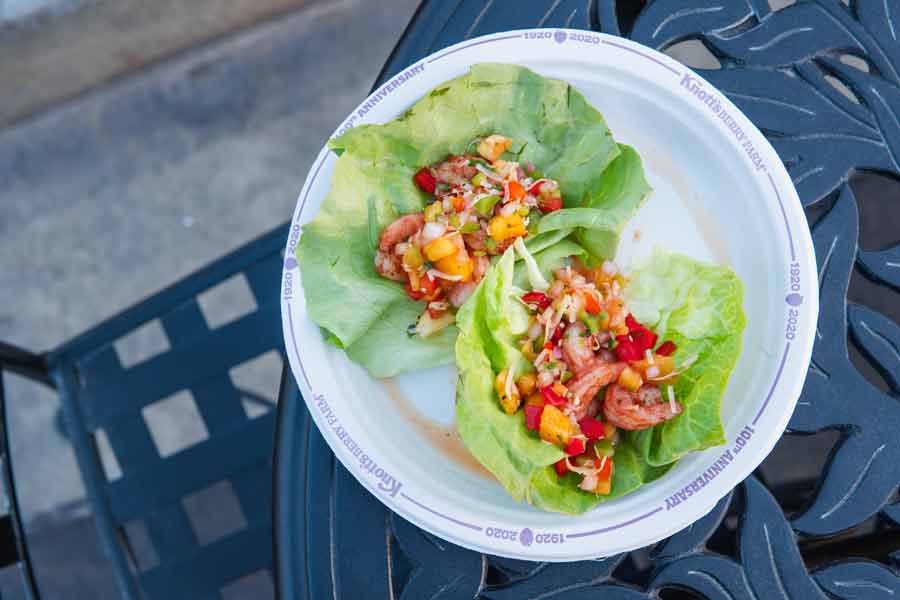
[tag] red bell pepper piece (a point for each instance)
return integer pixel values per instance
(550, 204)
(533, 414)
(667, 348)
(428, 289)
(561, 467)
(632, 323)
(539, 299)
(644, 339)
(575, 447)
(551, 396)
(535, 188)
(425, 180)
(591, 428)
(626, 350)
(557, 334)
(605, 471)
(515, 191)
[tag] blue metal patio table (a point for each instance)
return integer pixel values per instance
(821, 517)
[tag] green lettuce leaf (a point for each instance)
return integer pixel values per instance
(485, 347)
(700, 308)
(517, 457)
(552, 126)
(621, 192)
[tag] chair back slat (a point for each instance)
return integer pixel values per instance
(178, 427)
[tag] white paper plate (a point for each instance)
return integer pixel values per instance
(720, 194)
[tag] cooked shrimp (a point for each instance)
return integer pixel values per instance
(576, 350)
(637, 410)
(400, 230)
(475, 240)
(390, 265)
(458, 293)
(456, 170)
(585, 385)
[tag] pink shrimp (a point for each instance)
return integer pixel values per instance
(456, 170)
(400, 230)
(586, 384)
(458, 293)
(637, 410)
(390, 265)
(575, 348)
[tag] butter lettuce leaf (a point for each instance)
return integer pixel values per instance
(696, 305)
(552, 126)
(699, 307)
(517, 457)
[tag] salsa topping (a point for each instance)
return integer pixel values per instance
(480, 205)
(594, 370)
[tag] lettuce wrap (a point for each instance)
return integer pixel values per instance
(552, 126)
(696, 305)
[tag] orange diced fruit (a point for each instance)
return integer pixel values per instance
(630, 379)
(510, 403)
(527, 384)
(439, 248)
(458, 264)
(556, 427)
(493, 146)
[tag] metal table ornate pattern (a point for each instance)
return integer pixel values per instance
(822, 80)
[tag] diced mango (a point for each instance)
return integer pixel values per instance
(427, 325)
(535, 399)
(527, 350)
(457, 264)
(502, 228)
(493, 146)
(510, 403)
(664, 364)
(527, 383)
(556, 427)
(630, 379)
(440, 247)
(604, 487)
(433, 211)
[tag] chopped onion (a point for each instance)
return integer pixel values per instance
(488, 173)
(540, 358)
(432, 231)
(589, 483)
(652, 372)
(434, 273)
(588, 470)
(510, 208)
(648, 354)
(534, 330)
(534, 273)
(609, 268)
(545, 378)
(671, 393)
(401, 248)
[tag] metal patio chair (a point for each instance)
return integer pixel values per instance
(141, 498)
